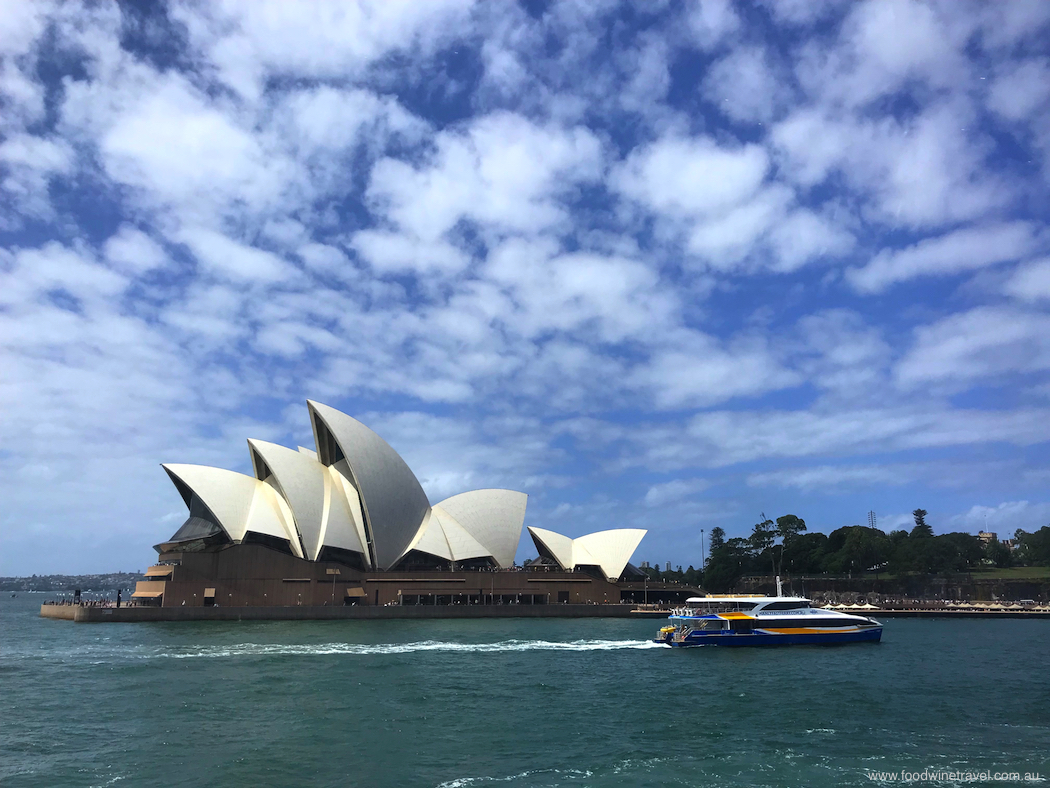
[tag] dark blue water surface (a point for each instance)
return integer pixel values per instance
(518, 702)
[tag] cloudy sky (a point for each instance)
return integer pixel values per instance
(660, 265)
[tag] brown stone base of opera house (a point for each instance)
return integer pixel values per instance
(357, 612)
(249, 581)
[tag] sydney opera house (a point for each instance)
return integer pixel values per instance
(348, 523)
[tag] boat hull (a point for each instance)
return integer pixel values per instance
(729, 638)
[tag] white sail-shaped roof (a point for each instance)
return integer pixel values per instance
(354, 493)
(554, 546)
(442, 536)
(239, 503)
(318, 502)
(492, 517)
(460, 541)
(431, 539)
(344, 526)
(393, 503)
(609, 550)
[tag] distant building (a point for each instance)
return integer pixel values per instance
(668, 566)
(987, 537)
(645, 564)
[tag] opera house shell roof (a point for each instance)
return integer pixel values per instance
(608, 550)
(354, 499)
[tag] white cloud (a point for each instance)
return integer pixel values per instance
(810, 145)
(984, 342)
(389, 252)
(952, 253)
(1004, 518)
(830, 477)
(161, 136)
(324, 124)
(715, 197)
(697, 370)
(610, 298)
(229, 259)
(712, 22)
(28, 164)
(882, 47)
(692, 177)
(249, 40)
(743, 86)
(650, 77)
(804, 235)
(723, 241)
(327, 261)
(53, 267)
(1021, 90)
(21, 26)
(133, 251)
(1005, 25)
(842, 354)
(801, 12)
(503, 172)
(674, 491)
(926, 171)
(720, 438)
(1030, 282)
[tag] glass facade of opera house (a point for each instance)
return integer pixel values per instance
(348, 523)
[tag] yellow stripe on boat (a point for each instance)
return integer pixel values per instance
(807, 630)
(735, 616)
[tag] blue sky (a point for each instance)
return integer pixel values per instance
(662, 265)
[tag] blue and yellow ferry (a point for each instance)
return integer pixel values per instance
(750, 620)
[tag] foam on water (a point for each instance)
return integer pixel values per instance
(365, 650)
(102, 653)
(465, 782)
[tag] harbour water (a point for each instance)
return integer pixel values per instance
(515, 702)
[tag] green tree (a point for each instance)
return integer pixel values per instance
(966, 551)
(805, 553)
(692, 577)
(727, 565)
(788, 527)
(921, 529)
(718, 538)
(866, 549)
(998, 553)
(762, 538)
(1034, 548)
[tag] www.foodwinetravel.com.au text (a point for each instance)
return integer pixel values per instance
(955, 776)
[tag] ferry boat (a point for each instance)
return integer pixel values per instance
(755, 620)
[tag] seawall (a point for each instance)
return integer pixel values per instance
(100, 615)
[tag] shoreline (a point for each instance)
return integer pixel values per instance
(101, 615)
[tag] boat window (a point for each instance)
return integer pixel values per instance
(708, 625)
(724, 606)
(786, 606)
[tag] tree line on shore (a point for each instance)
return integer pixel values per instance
(784, 546)
(101, 582)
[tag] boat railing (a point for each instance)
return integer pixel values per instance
(706, 609)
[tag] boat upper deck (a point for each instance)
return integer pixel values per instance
(755, 607)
